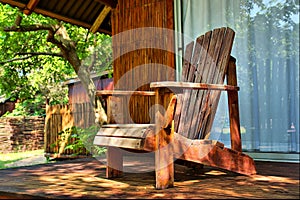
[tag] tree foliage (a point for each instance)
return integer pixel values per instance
(38, 53)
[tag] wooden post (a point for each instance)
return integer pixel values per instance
(233, 106)
(164, 164)
(30, 7)
(114, 166)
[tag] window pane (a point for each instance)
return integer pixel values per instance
(266, 47)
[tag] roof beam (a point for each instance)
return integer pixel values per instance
(66, 19)
(100, 19)
(30, 6)
(27, 8)
(110, 3)
(13, 3)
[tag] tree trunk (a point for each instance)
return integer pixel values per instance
(68, 51)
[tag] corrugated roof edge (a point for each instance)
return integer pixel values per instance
(93, 75)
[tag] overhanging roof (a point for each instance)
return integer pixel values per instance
(91, 14)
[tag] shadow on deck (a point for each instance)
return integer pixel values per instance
(85, 178)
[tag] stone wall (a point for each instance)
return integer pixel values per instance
(21, 134)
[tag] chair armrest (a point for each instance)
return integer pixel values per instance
(124, 93)
(188, 85)
(115, 103)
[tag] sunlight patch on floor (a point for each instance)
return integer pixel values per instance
(275, 179)
(215, 173)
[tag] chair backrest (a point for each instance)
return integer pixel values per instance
(205, 61)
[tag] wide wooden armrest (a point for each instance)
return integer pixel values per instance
(188, 85)
(124, 93)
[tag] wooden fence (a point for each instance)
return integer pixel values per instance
(62, 118)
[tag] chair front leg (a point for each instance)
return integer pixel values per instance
(164, 160)
(114, 163)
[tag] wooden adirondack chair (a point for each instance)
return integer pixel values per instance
(182, 132)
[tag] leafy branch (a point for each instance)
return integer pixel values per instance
(59, 37)
(30, 55)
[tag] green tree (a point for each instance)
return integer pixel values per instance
(38, 53)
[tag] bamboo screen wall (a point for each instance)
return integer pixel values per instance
(143, 46)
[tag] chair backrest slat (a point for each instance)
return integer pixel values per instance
(204, 62)
(185, 74)
(218, 78)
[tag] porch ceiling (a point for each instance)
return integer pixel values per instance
(91, 14)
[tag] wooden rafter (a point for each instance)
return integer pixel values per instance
(100, 19)
(30, 6)
(13, 3)
(110, 3)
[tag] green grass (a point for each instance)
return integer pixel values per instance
(9, 158)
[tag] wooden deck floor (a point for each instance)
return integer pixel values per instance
(85, 178)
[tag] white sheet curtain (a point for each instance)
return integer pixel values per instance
(266, 47)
